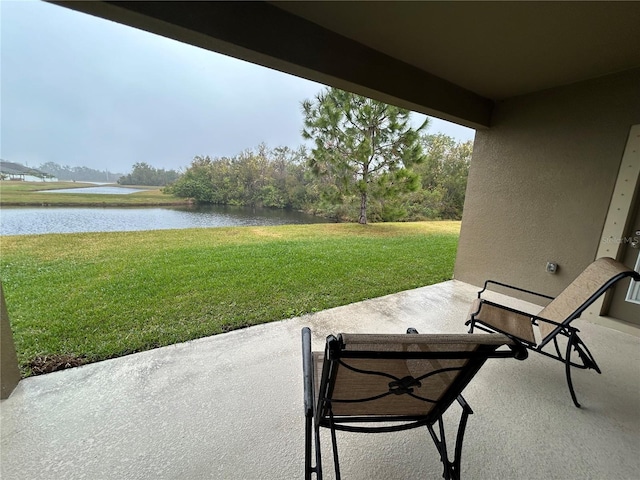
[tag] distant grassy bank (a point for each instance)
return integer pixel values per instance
(36, 194)
(77, 298)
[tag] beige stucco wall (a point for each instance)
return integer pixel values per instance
(541, 181)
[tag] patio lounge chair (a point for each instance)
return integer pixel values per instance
(405, 381)
(555, 319)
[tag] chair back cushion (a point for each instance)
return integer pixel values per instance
(401, 386)
(579, 292)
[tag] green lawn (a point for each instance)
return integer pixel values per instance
(93, 296)
(36, 194)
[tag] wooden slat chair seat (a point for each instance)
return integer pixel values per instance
(554, 320)
(405, 381)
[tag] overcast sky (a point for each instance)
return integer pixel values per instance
(83, 91)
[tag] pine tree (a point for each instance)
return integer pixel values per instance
(360, 143)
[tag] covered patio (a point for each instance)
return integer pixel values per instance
(230, 406)
(552, 90)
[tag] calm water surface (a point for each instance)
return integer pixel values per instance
(99, 190)
(40, 220)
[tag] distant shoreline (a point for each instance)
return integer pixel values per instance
(95, 204)
(34, 194)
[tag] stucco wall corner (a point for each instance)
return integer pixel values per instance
(541, 181)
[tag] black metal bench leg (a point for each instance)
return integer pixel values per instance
(318, 468)
(448, 473)
(312, 436)
(466, 411)
(451, 468)
(567, 367)
(334, 443)
(308, 431)
(585, 355)
(441, 445)
(312, 430)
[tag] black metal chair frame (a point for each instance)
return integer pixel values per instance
(574, 342)
(320, 414)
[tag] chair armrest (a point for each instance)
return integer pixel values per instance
(493, 282)
(559, 327)
(307, 369)
(535, 319)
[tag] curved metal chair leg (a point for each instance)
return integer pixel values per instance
(318, 469)
(308, 469)
(568, 370)
(585, 355)
(334, 443)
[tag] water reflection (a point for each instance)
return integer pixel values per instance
(40, 220)
(94, 190)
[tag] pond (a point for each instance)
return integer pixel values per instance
(106, 190)
(40, 220)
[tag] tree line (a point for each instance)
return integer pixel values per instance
(141, 174)
(78, 174)
(283, 178)
(367, 163)
(144, 174)
(260, 177)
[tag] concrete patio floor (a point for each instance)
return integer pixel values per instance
(230, 407)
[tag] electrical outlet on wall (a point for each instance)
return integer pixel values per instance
(552, 267)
